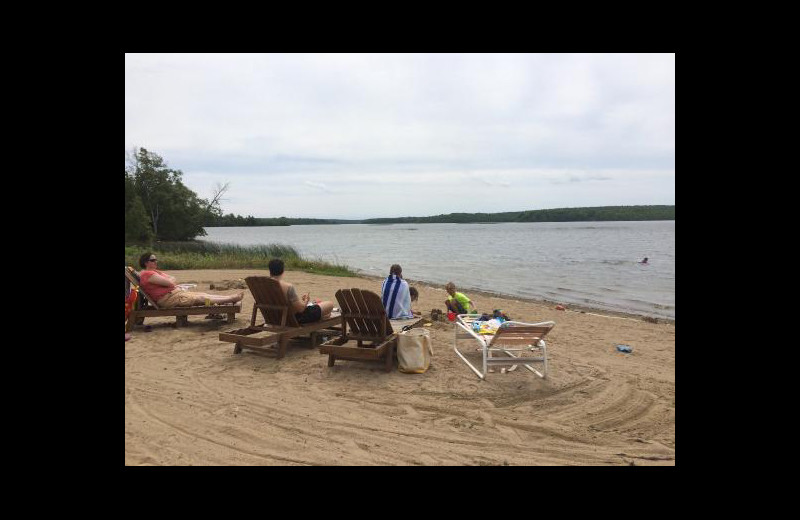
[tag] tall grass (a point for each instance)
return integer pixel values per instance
(204, 255)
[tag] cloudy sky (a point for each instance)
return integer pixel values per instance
(388, 135)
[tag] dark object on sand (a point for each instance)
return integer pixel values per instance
(225, 285)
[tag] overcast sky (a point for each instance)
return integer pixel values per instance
(389, 135)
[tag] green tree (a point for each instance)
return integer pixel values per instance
(174, 211)
(137, 225)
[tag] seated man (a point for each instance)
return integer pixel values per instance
(299, 305)
(395, 295)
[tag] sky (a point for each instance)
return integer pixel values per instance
(354, 136)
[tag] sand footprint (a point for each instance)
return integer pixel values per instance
(411, 411)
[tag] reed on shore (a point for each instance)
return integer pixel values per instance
(204, 255)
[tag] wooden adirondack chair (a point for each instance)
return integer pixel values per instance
(363, 320)
(280, 324)
(147, 307)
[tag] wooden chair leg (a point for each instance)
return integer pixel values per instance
(389, 359)
(139, 320)
(283, 343)
(182, 321)
(231, 317)
(331, 360)
(237, 348)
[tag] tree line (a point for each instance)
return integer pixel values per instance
(600, 213)
(237, 220)
(158, 206)
(584, 214)
(231, 220)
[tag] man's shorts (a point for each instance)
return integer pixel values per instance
(311, 314)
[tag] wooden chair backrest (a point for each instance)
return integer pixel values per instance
(364, 313)
(522, 334)
(133, 277)
(271, 301)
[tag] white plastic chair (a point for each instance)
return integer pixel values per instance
(514, 339)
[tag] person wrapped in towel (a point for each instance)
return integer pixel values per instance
(395, 295)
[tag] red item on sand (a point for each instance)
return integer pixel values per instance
(130, 301)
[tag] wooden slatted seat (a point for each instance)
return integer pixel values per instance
(146, 306)
(280, 323)
(367, 333)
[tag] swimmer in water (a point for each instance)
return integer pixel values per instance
(644, 261)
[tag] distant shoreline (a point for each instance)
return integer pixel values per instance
(582, 214)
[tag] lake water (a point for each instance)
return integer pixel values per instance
(592, 264)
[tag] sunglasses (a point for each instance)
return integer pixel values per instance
(152, 259)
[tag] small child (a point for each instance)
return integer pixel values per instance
(412, 291)
(458, 302)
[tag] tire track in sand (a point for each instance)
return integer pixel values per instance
(193, 435)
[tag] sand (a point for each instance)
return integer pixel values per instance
(189, 400)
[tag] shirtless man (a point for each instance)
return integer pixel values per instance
(303, 312)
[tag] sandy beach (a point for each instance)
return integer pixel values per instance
(189, 400)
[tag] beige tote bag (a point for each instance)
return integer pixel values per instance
(414, 351)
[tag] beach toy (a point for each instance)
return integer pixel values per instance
(625, 348)
(560, 308)
(451, 316)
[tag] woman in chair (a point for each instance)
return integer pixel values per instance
(162, 288)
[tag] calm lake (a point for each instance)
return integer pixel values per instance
(592, 264)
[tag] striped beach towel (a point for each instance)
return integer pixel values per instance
(396, 298)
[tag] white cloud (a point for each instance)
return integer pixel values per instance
(551, 130)
(317, 186)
